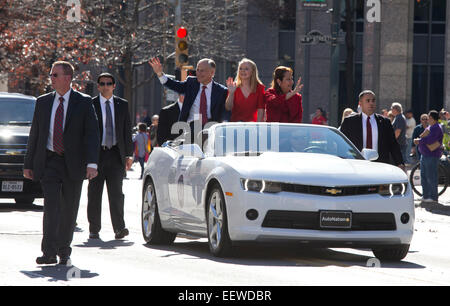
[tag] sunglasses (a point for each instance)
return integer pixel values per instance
(105, 83)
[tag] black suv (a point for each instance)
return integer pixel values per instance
(16, 115)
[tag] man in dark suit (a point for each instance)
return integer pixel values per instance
(373, 131)
(62, 150)
(204, 99)
(116, 154)
(168, 116)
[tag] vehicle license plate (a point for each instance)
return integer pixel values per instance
(336, 219)
(12, 186)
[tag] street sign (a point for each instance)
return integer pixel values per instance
(314, 4)
(315, 37)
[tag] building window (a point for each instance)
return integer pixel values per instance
(428, 56)
(286, 35)
(356, 56)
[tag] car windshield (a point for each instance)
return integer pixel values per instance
(16, 111)
(254, 139)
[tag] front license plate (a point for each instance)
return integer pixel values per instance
(336, 219)
(12, 186)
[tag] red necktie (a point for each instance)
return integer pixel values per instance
(58, 145)
(203, 106)
(369, 134)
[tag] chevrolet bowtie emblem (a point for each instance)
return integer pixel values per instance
(333, 191)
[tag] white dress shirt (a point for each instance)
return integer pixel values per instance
(103, 107)
(66, 97)
(194, 113)
(374, 125)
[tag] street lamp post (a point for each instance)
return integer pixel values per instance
(315, 37)
(334, 65)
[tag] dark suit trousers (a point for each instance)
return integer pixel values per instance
(61, 203)
(111, 170)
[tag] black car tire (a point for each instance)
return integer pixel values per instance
(391, 253)
(152, 230)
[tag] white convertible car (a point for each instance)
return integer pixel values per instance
(267, 182)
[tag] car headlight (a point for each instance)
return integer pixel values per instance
(393, 189)
(260, 186)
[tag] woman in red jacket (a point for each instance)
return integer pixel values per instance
(284, 104)
(320, 117)
(246, 94)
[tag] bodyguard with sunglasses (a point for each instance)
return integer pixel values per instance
(62, 150)
(115, 156)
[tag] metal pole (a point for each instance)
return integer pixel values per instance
(177, 13)
(334, 66)
(307, 80)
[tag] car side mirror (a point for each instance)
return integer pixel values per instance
(370, 154)
(193, 150)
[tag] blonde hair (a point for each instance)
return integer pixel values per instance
(347, 112)
(254, 78)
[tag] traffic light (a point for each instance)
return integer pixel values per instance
(181, 47)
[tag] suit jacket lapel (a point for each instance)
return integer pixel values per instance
(193, 86)
(379, 126)
(98, 111)
(70, 108)
(117, 113)
(360, 132)
(214, 100)
(48, 112)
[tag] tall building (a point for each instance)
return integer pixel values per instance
(397, 48)
(402, 58)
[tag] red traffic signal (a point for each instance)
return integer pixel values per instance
(181, 32)
(181, 47)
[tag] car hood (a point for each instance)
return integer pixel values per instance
(315, 169)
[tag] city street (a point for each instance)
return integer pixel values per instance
(188, 262)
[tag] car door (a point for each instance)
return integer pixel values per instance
(181, 196)
(195, 177)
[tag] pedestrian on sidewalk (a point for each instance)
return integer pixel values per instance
(320, 117)
(430, 146)
(417, 131)
(141, 143)
(410, 125)
(399, 125)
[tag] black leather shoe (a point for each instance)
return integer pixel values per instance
(94, 236)
(121, 234)
(46, 260)
(64, 260)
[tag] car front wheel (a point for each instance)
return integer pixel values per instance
(218, 237)
(392, 253)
